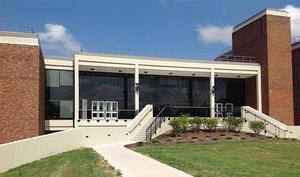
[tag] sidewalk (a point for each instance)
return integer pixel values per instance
(133, 164)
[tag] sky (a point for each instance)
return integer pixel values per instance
(195, 29)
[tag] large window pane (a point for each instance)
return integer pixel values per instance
(66, 78)
(52, 78)
(66, 109)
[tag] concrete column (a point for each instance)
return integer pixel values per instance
(258, 91)
(76, 92)
(136, 89)
(212, 92)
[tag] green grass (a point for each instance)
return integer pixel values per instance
(241, 158)
(76, 163)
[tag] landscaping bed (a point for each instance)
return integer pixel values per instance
(199, 137)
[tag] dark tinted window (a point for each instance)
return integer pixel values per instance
(59, 94)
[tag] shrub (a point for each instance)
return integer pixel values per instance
(196, 123)
(233, 123)
(184, 121)
(176, 126)
(140, 143)
(257, 126)
(210, 123)
(154, 141)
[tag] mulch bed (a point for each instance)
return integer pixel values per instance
(199, 137)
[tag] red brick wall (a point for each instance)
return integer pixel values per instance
(21, 92)
(296, 82)
(268, 39)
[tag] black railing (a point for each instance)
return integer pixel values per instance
(236, 58)
(192, 111)
(270, 127)
(16, 28)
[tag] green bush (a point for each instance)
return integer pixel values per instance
(257, 126)
(154, 141)
(233, 123)
(176, 126)
(140, 143)
(210, 123)
(184, 121)
(196, 123)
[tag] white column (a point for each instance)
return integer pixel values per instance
(76, 92)
(212, 92)
(258, 91)
(136, 88)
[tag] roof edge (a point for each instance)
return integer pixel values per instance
(267, 11)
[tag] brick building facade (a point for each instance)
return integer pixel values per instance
(21, 92)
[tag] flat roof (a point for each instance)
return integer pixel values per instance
(162, 59)
(267, 11)
(21, 38)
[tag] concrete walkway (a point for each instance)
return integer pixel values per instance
(133, 164)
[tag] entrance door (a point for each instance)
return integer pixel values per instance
(104, 109)
(219, 109)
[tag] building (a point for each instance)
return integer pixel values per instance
(41, 94)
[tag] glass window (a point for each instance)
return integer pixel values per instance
(52, 78)
(66, 109)
(66, 78)
(59, 94)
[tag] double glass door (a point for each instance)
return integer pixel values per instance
(104, 109)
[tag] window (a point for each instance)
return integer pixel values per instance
(59, 94)
(66, 78)
(52, 77)
(66, 109)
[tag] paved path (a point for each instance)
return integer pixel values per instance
(133, 164)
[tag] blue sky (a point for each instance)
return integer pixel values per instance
(168, 28)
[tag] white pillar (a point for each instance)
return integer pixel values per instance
(258, 91)
(76, 92)
(136, 88)
(212, 92)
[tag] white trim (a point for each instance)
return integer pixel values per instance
(212, 92)
(275, 12)
(59, 64)
(258, 91)
(76, 92)
(19, 38)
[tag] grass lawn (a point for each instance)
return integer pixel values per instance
(76, 163)
(227, 159)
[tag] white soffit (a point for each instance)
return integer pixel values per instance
(275, 12)
(19, 38)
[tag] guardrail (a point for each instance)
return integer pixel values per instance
(273, 126)
(236, 58)
(16, 28)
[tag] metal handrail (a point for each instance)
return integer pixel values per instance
(154, 124)
(270, 123)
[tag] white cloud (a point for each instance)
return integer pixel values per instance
(295, 19)
(57, 39)
(215, 34)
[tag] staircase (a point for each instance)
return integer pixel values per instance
(274, 128)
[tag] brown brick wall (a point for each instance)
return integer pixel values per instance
(268, 39)
(296, 82)
(21, 92)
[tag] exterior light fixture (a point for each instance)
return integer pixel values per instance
(92, 69)
(193, 74)
(170, 73)
(137, 87)
(238, 76)
(145, 72)
(120, 71)
(216, 75)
